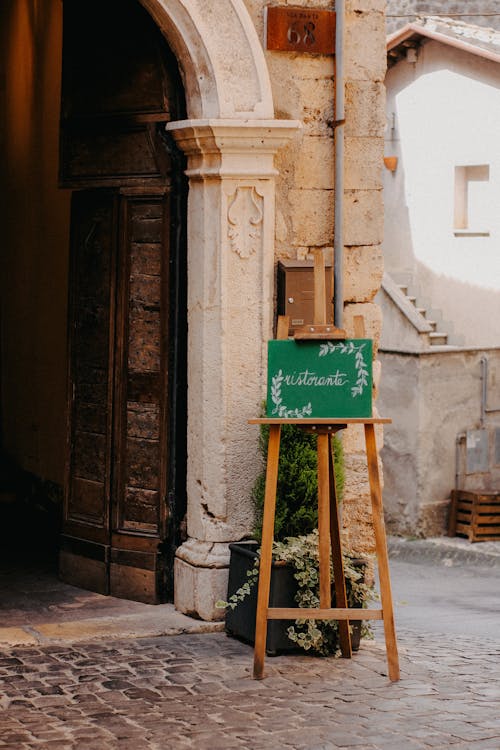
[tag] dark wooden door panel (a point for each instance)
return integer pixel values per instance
(93, 254)
(91, 344)
(139, 490)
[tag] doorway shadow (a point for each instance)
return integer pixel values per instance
(30, 590)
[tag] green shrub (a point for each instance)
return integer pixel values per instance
(296, 537)
(297, 491)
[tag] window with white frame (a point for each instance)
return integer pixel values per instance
(471, 204)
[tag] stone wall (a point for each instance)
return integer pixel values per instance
(479, 12)
(303, 89)
(436, 399)
(259, 146)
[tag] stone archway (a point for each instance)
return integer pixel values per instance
(230, 140)
(222, 62)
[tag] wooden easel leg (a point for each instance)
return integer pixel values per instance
(382, 557)
(266, 550)
(338, 563)
(325, 584)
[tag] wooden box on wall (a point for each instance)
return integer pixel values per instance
(295, 298)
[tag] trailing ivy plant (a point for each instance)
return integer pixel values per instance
(297, 490)
(302, 554)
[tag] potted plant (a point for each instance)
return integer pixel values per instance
(294, 576)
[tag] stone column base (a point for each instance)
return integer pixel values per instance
(201, 571)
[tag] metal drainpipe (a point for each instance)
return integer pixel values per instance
(484, 386)
(459, 440)
(338, 237)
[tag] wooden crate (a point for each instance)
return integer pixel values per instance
(475, 515)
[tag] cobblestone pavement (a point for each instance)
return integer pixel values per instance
(196, 691)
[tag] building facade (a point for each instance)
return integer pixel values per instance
(440, 294)
(181, 182)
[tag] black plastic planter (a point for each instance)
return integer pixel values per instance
(240, 621)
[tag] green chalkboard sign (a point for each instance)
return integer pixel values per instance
(319, 379)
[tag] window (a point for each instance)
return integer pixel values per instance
(470, 200)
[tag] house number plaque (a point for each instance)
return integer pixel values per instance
(296, 29)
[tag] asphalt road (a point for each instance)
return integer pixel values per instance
(432, 597)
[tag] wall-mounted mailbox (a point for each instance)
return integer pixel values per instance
(296, 291)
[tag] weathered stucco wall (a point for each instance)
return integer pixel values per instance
(456, 271)
(434, 398)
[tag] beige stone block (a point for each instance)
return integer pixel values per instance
(372, 318)
(315, 163)
(377, 374)
(198, 589)
(310, 3)
(363, 163)
(354, 440)
(309, 100)
(366, 5)
(365, 55)
(363, 217)
(365, 108)
(256, 11)
(281, 228)
(285, 162)
(312, 217)
(363, 271)
(303, 253)
(298, 66)
(358, 526)
(356, 505)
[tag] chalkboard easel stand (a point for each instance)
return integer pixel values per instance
(328, 517)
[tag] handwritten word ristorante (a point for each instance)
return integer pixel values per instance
(309, 378)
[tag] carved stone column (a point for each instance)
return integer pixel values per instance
(230, 299)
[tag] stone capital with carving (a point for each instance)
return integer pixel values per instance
(232, 148)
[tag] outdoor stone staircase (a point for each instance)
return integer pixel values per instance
(436, 337)
(420, 327)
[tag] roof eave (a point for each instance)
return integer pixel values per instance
(398, 37)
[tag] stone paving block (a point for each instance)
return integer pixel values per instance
(395, 744)
(431, 739)
(305, 700)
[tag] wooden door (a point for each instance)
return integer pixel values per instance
(116, 498)
(125, 493)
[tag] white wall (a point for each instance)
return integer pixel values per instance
(444, 111)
